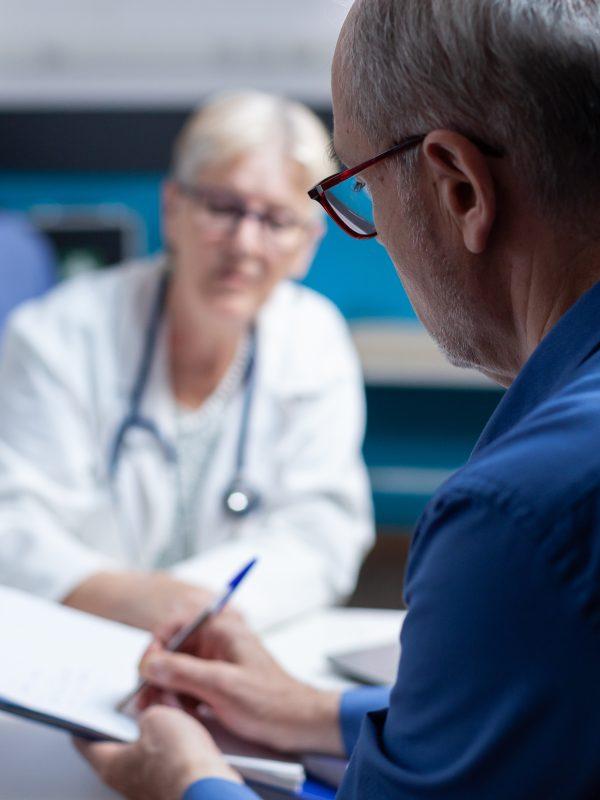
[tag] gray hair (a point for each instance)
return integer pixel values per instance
(232, 124)
(523, 75)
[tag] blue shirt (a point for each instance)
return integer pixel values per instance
(498, 688)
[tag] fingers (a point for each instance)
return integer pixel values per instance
(172, 700)
(165, 632)
(235, 614)
(153, 647)
(100, 755)
(148, 696)
(225, 638)
(204, 680)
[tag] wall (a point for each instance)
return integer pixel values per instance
(169, 53)
(358, 277)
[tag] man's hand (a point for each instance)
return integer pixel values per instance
(173, 751)
(144, 600)
(228, 672)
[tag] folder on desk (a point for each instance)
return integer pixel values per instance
(69, 669)
(375, 665)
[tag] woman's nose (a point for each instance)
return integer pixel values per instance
(247, 234)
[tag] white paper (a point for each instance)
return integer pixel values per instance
(67, 664)
(77, 667)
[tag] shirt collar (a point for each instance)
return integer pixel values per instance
(567, 345)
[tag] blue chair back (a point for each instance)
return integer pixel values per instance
(27, 263)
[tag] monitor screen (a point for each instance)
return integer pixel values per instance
(90, 238)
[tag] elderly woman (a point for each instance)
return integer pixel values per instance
(164, 421)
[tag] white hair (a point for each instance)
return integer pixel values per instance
(523, 75)
(233, 124)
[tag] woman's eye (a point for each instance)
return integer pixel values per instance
(280, 223)
(226, 209)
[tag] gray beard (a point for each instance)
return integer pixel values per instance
(454, 331)
(450, 321)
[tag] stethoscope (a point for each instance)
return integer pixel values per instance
(239, 498)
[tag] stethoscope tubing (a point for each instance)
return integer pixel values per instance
(134, 419)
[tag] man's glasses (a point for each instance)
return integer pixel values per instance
(346, 199)
(220, 211)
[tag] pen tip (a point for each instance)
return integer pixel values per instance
(241, 575)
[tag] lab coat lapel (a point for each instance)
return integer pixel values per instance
(145, 477)
(158, 403)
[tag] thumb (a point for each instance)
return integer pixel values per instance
(205, 680)
(99, 754)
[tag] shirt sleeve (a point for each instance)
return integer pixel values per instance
(355, 705)
(218, 789)
(497, 672)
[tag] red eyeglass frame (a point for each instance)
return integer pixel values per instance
(318, 191)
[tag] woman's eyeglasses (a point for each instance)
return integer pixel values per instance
(222, 210)
(345, 196)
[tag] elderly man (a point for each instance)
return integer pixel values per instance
(488, 203)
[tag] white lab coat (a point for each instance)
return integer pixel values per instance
(66, 370)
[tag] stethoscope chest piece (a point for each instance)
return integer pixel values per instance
(240, 499)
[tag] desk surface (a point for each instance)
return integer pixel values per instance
(39, 763)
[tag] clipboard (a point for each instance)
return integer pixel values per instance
(69, 670)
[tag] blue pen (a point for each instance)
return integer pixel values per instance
(219, 604)
(181, 636)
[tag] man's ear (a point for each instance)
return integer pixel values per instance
(301, 265)
(464, 185)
